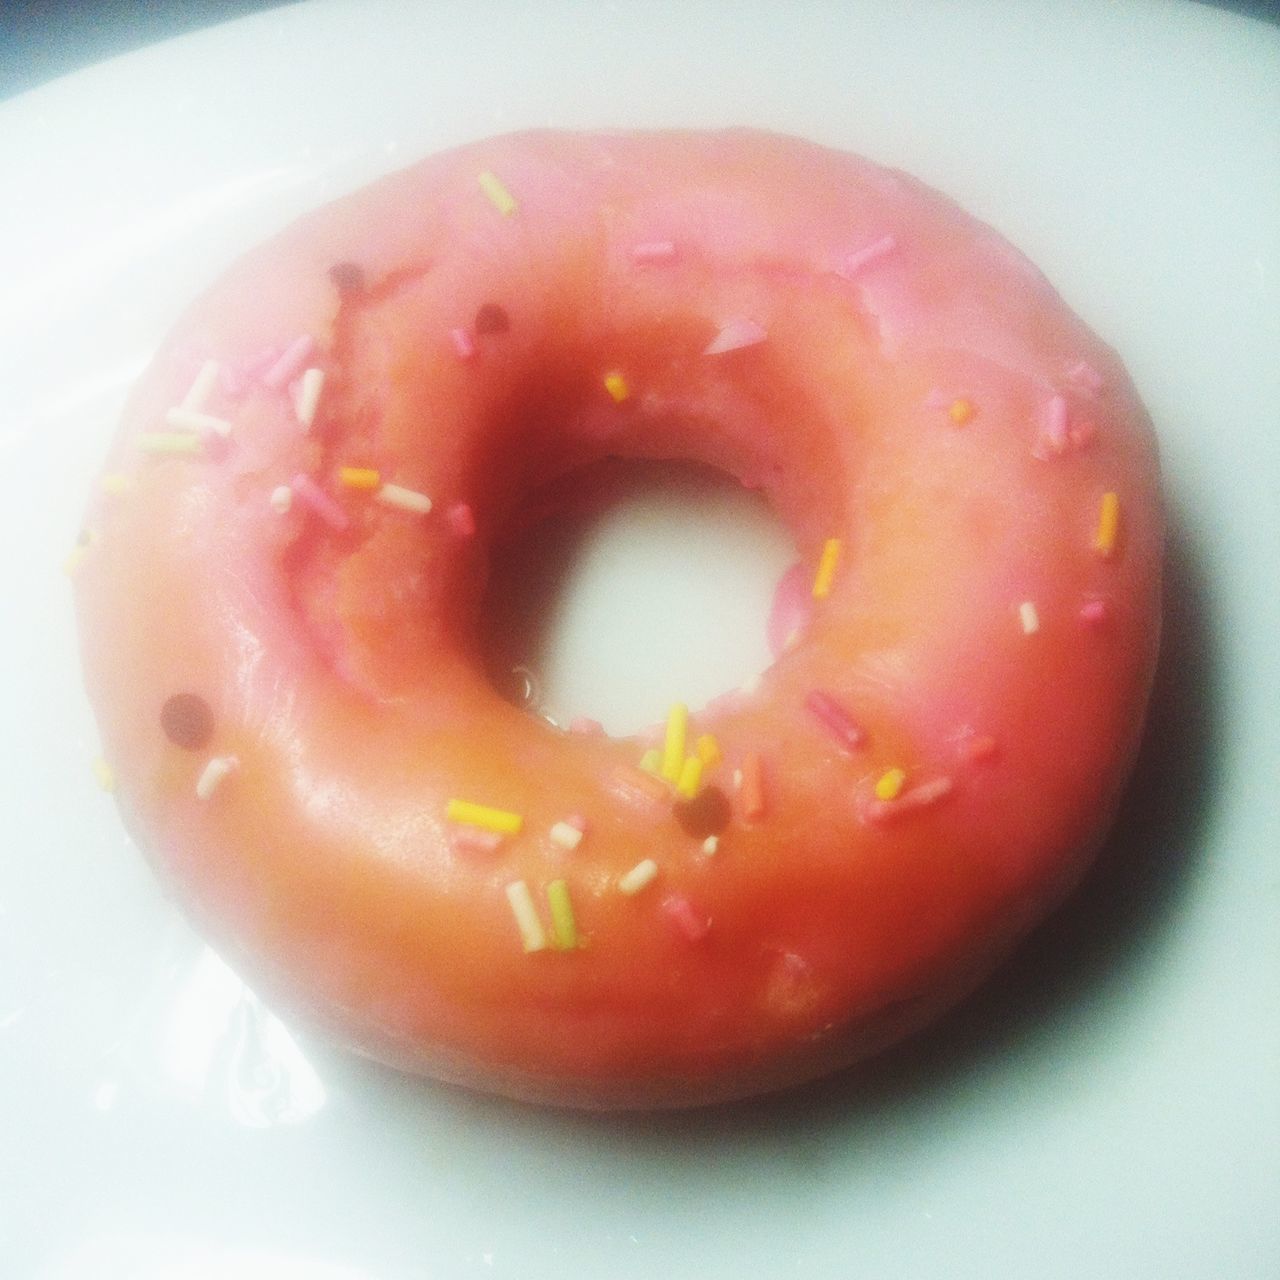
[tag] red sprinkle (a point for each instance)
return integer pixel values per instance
(687, 919)
(462, 520)
(751, 791)
(842, 726)
(980, 748)
(1094, 612)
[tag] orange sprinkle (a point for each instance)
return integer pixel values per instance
(359, 477)
(616, 385)
(751, 788)
(1104, 541)
(960, 412)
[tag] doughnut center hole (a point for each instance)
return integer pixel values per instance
(630, 585)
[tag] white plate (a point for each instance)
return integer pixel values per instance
(1109, 1107)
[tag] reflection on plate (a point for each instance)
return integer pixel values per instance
(1106, 1108)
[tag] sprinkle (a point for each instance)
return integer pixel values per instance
(395, 495)
(652, 251)
(281, 499)
(1104, 540)
(826, 569)
(578, 822)
(183, 419)
(751, 789)
(616, 385)
(566, 835)
(169, 442)
(889, 784)
(497, 194)
(201, 387)
(307, 397)
(474, 840)
(462, 343)
(585, 724)
(842, 725)
(320, 502)
(115, 484)
(980, 748)
(705, 814)
(1029, 616)
(214, 774)
(634, 785)
(708, 750)
(691, 923)
(1057, 430)
(651, 761)
(358, 477)
(187, 721)
(690, 777)
(1085, 375)
(462, 520)
(532, 934)
(960, 412)
(347, 277)
(1094, 612)
(564, 929)
(865, 256)
(290, 363)
(919, 797)
(104, 774)
(673, 749)
(480, 815)
(734, 336)
(491, 319)
(710, 845)
(642, 874)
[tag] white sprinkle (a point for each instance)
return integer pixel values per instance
(181, 419)
(462, 343)
(310, 385)
(565, 835)
(198, 393)
(395, 495)
(281, 498)
(640, 875)
(1030, 617)
(532, 934)
(710, 845)
(214, 774)
(864, 257)
(734, 336)
(751, 684)
(737, 779)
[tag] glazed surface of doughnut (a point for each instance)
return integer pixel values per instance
(280, 640)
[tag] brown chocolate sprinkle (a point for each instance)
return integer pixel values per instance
(491, 319)
(187, 721)
(347, 277)
(707, 814)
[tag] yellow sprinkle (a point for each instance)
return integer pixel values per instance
(499, 196)
(564, 929)
(532, 934)
(889, 784)
(114, 483)
(359, 477)
(75, 557)
(638, 877)
(673, 750)
(1104, 541)
(690, 777)
(708, 750)
(616, 385)
(826, 569)
(168, 442)
(960, 412)
(480, 815)
(651, 761)
(104, 773)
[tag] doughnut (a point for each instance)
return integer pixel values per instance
(281, 583)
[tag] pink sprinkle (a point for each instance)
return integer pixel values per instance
(734, 336)
(462, 343)
(474, 840)
(653, 251)
(921, 797)
(836, 719)
(462, 520)
(980, 748)
(1082, 434)
(865, 256)
(320, 502)
(578, 822)
(690, 922)
(257, 365)
(792, 608)
(1084, 375)
(1056, 430)
(290, 363)
(585, 724)
(1094, 612)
